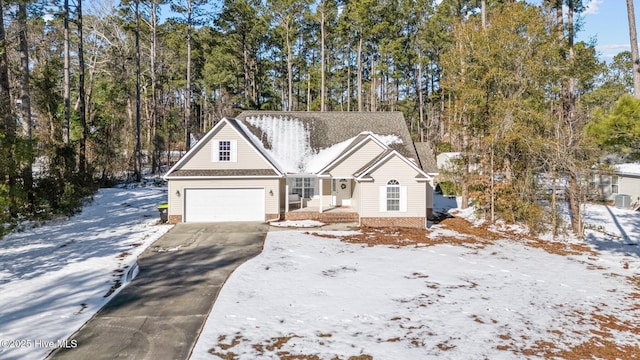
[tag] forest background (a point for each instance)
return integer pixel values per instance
(89, 99)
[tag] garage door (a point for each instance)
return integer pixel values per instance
(217, 205)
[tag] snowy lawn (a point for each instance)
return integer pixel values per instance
(455, 291)
(55, 277)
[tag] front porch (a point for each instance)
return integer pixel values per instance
(329, 214)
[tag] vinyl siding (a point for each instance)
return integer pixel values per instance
(176, 205)
(246, 155)
(356, 160)
(629, 185)
(394, 168)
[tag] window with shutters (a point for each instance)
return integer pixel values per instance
(393, 195)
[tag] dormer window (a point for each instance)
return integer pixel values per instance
(224, 151)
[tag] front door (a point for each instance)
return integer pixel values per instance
(342, 192)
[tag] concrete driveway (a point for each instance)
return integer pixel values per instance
(160, 314)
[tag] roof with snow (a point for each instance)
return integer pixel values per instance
(302, 141)
(632, 169)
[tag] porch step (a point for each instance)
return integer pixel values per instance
(326, 217)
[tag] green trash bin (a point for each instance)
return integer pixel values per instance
(164, 212)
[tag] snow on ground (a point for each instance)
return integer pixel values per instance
(55, 277)
(313, 295)
(297, 223)
(615, 234)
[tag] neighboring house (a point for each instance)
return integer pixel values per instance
(625, 180)
(265, 166)
(446, 161)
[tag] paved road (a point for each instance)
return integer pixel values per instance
(161, 312)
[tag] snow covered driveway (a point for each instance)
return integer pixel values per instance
(55, 277)
(318, 298)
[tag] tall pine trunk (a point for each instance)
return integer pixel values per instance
(8, 122)
(25, 96)
(574, 186)
(67, 82)
(245, 66)
(155, 155)
(187, 96)
(289, 70)
(359, 61)
(420, 99)
(349, 78)
(138, 150)
(633, 36)
(323, 90)
(372, 106)
(82, 168)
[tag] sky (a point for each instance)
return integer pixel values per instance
(606, 22)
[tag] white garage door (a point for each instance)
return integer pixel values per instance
(217, 205)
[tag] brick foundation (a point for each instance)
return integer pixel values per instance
(174, 219)
(326, 217)
(408, 222)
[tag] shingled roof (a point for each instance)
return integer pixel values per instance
(427, 157)
(329, 128)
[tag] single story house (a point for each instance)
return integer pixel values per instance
(625, 180)
(327, 166)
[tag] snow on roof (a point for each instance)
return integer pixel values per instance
(325, 156)
(388, 139)
(290, 143)
(289, 139)
(258, 144)
(628, 168)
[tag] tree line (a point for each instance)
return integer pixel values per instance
(96, 94)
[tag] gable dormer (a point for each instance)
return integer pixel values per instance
(364, 148)
(226, 150)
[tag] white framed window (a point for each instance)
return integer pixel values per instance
(303, 186)
(393, 195)
(224, 151)
(614, 184)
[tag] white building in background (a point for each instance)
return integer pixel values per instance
(625, 180)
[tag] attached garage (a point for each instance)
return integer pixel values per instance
(224, 204)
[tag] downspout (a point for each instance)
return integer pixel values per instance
(360, 208)
(286, 197)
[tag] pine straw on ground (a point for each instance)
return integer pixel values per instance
(271, 346)
(470, 236)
